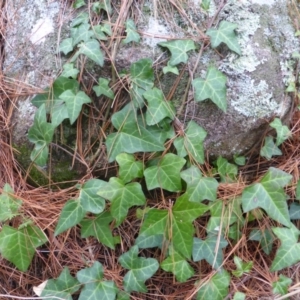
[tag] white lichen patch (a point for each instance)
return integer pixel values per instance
(40, 30)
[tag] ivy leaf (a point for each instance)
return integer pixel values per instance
(59, 113)
(74, 103)
(70, 71)
(62, 287)
(241, 267)
(294, 211)
(226, 170)
(132, 35)
(192, 142)
(209, 249)
(71, 214)
(178, 49)
(239, 296)
(151, 241)
(66, 46)
(99, 228)
(216, 288)
(269, 149)
(170, 69)
(78, 3)
(99, 34)
(133, 136)
(9, 205)
(199, 188)
(91, 49)
(140, 268)
(18, 245)
(289, 251)
(265, 238)
(158, 108)
(269, 195)
(239, 160)
(282, 131)
(122, 197)
(142, 79)
(81, 33)
(213, 88)
(89, 197)
(129, 168)
(281, 285)
(205, 4)
(95, 287)
(106, 28)
(176, 264)
(102, 4)
(82, 18)
(103, 89)
(166, 174)
(225, 34)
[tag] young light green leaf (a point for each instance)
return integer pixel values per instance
(103, 89)
(281, 285)
(289, 251)
(91, 49)
(66, 46)
(122, 197)
(18, 245)
(178, 49)
(62, 287)
(239, 160)
(294, 211)
(140, 268)
(78, 3)
(213, 88)
(98, 33)
(239, 296)
(59, 113)
(265, 238)
(269, 195)
(106, 28)
(177, 264)
(82, 18)
(209, 249)
(226, 170)
(129, 168)
(170, 69)
(216, 288)
(205, 4)
(199, 188)
(269, 149)
(71, 214)
(9, 205)
(99, 228)
(89, 198)
(132, 35)
(81, 33)
(158, 108)
(95, 287)
(241, 267)
(74, 103)
(102, 4)
(166, 175)
(225, 34)
(192, 142)
(282, 131)
(70, 71)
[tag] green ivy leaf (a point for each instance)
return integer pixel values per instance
(239, 160)
(82, 18)
(176, 264)
(158, 108)
(192, 142)
(216, 288)
(239, 296)
(241, 267)
(140, 268)
(199, 188)
(78, 3)
(226, 170)
(205, 4)
(170, 69)
(209, 249)
(99, 228)
(18, 245)
(225, 34)
(81, 33)
(62, 287)
(178, 49)
(132, 35)
(122, 197)
(265, 238)
(269, 195)
(98, 33)
(91, 49)
(132, 136)
(74, 103)
(142, 79)
(71, 214)
(213, 88)
(289, 251)
(103, 89)
(89, 198)
(59, 113)
(66, 46)
(106, 28)
(70, 71)
(282, 131)
(151, 241)
(166, 175)
(95, 287)
(281, 285)
(9, 205)
(102, 4)
(294, 211)
(269, 149)
(129, 168)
